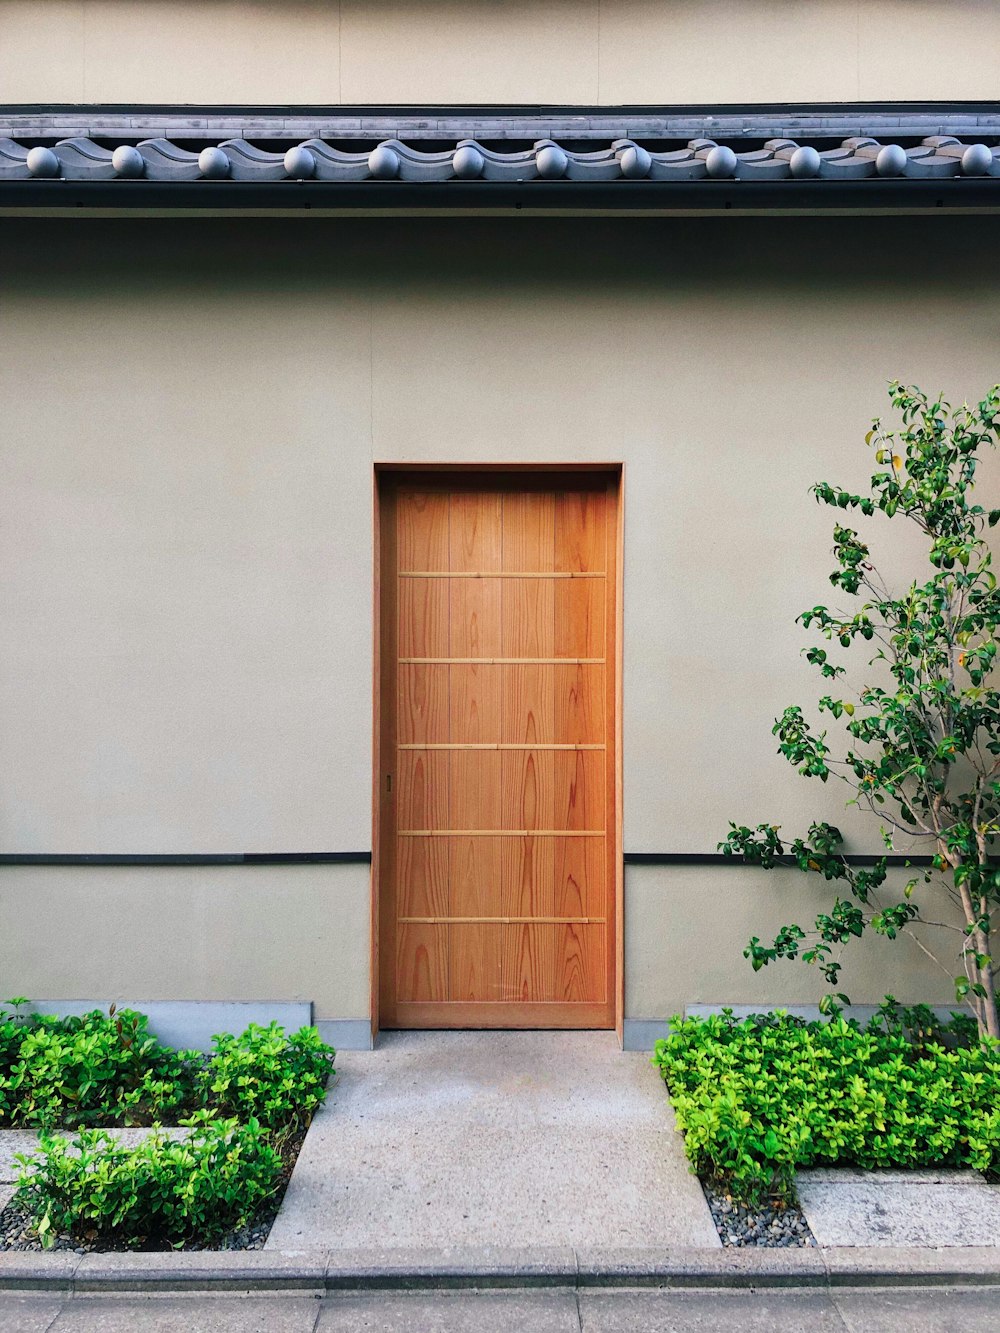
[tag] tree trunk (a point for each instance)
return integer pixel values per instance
(984, 1007)
(992, 1016)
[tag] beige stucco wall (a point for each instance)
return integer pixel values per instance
(296, 932)
(462, 51)
(686, 928)
(191, 414)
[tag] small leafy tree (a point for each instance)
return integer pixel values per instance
(922, 749)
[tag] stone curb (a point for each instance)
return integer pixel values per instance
(316, 1272)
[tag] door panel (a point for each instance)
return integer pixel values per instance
(497, 891)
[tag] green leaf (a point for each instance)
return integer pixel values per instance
(922, 733)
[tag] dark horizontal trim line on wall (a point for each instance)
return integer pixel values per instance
(369, 109)
(364, 858)
(719, 859)
(183, 858)
(618, 196)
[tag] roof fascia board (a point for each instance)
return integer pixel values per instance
(463, 197)
(136, 214)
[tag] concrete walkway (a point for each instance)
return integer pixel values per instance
(624, 1310)
(514, 1139)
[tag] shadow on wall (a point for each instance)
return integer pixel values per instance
(821, 257)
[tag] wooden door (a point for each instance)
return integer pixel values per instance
(497, 792)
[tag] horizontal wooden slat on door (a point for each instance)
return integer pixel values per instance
(497, 900)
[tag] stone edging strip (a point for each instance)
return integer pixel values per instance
(316, 1272)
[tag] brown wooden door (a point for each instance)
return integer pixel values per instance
(497, 792)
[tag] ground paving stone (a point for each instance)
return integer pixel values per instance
(973, 1310)
(494, 1138)
(852, 1208)
(28, 1314)
(451, 1312)
(12, 1142)
(185, 1314)
(924, 1310)
(674, 1311)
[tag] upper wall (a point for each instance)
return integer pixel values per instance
(191, 414)
(591, 52)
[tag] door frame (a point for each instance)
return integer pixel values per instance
(382, 472)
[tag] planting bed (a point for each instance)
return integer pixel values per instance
(17, 1229)
(759, 1100)
(89, 1176)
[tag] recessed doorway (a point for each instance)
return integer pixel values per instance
(497, 870)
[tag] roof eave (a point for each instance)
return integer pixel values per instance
(904, 194)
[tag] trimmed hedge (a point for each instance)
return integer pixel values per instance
(758, 1098)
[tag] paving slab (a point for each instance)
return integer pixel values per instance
(28, 1314)
(12, 1142)
(15, 1141)
(923, 1176)
(940, 1310)
(451, 1312)
(975, 1310)
(852, 1208)
(709, 1311)
(181, 1314)
(508, 1139)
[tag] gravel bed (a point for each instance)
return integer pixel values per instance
(17, 1232)
(774, 1225)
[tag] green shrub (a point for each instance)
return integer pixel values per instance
(98, 1069)
(759, 1098)
(278, 1079)
(163, 1191)
(108, 1069)
(921, 1026)
(13, 1027)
